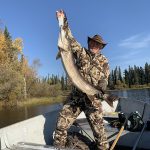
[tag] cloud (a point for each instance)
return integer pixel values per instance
(133, 50)
(127, 55)
(136, 42)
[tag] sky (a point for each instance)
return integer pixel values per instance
(124, 25)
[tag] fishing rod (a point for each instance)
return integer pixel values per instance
(82, 130)
(139, 137)
(119, 134)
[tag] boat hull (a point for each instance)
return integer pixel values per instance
(38, 131)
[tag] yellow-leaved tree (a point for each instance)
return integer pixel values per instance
(12, 72)
(3, 48)
(18, 45)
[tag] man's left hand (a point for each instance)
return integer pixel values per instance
(110, 99)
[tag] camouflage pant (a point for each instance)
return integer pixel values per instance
(71, 110)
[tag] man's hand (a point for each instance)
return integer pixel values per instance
(102, 84)
(110, 99)
(60, 16)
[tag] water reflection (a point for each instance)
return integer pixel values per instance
(8, 117)
(138, 94)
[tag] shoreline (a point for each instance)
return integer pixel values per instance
(34, 102)
(134, 88)
(30, 102)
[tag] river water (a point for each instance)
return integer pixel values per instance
(8, 117)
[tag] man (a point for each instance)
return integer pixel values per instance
(94, 67)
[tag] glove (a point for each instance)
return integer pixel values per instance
(110, 98)
(102, 84)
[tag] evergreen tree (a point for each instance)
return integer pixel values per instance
(10, 49)
(66, 82)
(126, 76)
(7, 34)
(120, 76)
(147, 73)
(115, 76)
(52, 79)
(141, 76)
(111, 81)
(132, 77)
(62, 83)
(136, 78)
(55, 79)
(129, 76)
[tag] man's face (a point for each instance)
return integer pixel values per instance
(95, 47)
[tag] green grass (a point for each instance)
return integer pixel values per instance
(40, 101)
(37, 101)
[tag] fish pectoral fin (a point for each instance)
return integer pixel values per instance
(58, 55)
(59, 52)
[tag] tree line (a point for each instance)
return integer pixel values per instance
(133, 77)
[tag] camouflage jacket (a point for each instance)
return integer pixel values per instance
(93, 67)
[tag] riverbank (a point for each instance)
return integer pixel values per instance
(132, 88)
(34, 102)
(41, 101)
(52, 100)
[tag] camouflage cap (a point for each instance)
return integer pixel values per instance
(97, 38)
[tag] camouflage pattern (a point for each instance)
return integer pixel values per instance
(94, 68)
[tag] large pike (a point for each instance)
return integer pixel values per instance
(70, 67)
